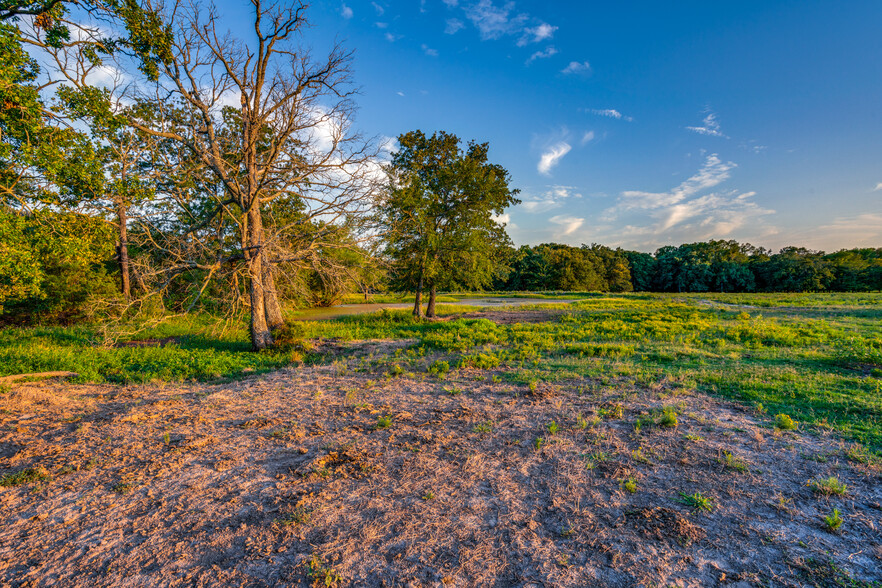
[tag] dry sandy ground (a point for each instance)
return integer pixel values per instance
(293, 479)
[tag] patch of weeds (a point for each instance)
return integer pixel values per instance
(697, 501)
(453, 390)
(537, 443)
(428, 496)
(611, 411)
(582, 423)
(534, 385)
(833, 521)
(383, 422)
(395, 370)
(320, 574)
(829, 486)
(553, 428)
(694, 438)
(783, 422)
(495, 379)
(829, 574)
(629, 484)
(732, 462)
(668, 418)
(122, 487)
(638, 455)
(299, 516)
(485, 427)
(592, 459)
(5, 388)
(25, 476)
(166, 438)
(564, 561)
(860, 454)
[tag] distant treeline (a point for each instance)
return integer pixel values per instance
(712, 266)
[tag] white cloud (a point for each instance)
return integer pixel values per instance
(570, 224)
(610, 113)
(878, 187)
(689, 212)
(537, 34)
(710, 126)
(552, 157)
(345, 12)
(453, 26)
(494, 21)
(544, 54)
(451, 3)
(577, 67)
(392, 38)
(400, 93)
(587, 137)
(382, 25)
(501, 218)
(380, 10)
(429, 51)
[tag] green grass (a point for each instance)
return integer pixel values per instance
(814, 357)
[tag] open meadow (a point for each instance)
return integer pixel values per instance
(616, 440)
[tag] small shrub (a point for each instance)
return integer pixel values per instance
(829, 486)
(784, 422)
(668, 418)
(630, 485)
(833, 521)
(383, 422)
(552, 428)
(537, 444)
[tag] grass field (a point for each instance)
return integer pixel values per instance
(618, 440)
(814, 357)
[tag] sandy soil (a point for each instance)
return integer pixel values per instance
(342, 475)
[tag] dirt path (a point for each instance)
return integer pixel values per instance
(342, 475)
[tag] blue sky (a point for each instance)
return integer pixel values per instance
(640, 124)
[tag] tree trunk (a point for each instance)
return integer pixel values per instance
(273, 309)
(123, 252)
(430, 309)
(418, 300)
(261, 338)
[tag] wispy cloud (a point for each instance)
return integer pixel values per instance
(587, 137)
(554, 197)
(345, 12)
(537, 34)
(380, 10)
(544, 54)
(453, 26)
(610, 113)
(878, 187)
(577, 67)
(690, 211)
(570, 224)
(710, 126)
(429, 51)
(497, 20)
(552, 157)
(392, 38)
(494, 21)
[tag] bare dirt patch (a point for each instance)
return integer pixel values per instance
(341, 475)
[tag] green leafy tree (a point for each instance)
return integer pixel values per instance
(439, 214)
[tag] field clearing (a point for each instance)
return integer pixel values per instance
(620, 440)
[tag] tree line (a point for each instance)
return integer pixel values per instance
(224, 173)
